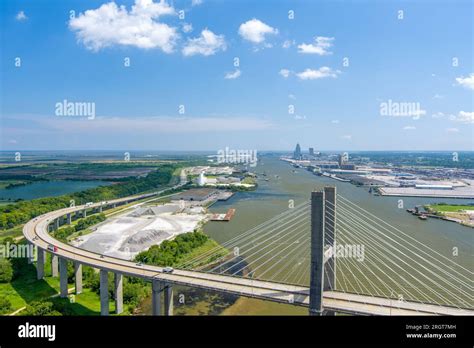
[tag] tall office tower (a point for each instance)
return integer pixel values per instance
(311, 151)
(297, 153)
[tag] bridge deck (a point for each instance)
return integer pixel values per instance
(36, 231)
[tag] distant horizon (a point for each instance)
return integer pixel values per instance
(304, 150)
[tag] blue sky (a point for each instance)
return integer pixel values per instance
(421, 57)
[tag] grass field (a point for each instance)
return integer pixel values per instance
(450, 207)
(26, 288)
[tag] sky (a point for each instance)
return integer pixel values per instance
(264, 75)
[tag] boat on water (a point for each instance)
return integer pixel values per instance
(422, 217)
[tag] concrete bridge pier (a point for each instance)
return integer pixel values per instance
(54, 265)
(104, 292)
(157, 288)
(78, 277)
(317, 253)
(100, 209)
(118, 293)
(84, 213)
(63, 291)
(168, 293)
(69, 218)
(40, 263)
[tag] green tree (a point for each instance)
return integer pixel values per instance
(6, 270)
(40, 308)
(5, 305)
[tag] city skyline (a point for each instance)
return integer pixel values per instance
(299, 78)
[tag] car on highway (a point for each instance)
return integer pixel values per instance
(168, 270)
(52, 247)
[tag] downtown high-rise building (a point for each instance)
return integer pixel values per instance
(297, 154)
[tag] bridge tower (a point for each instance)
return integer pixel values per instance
(323, 266)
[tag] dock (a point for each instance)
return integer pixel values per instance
(223, 217)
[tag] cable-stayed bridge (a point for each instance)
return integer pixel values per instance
(327, 254)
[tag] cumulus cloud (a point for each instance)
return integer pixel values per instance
(196, 2)
(20, 16)
(284, 72)
(464, 117)
(320, 46)
(233, 75)
(206, 44)
(467, 82)
(255, 31)
(439, 115)
(314, 74)
(111, 25)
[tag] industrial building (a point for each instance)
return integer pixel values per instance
(200, 194)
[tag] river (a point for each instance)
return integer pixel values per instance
(272, 197)
(41, 189)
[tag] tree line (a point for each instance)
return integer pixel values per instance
(12, 215)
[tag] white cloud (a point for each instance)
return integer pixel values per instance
(111, 25)
(438, 96)
(439, 115)
(255, 30)
(452, 130)
(196, 2)
(409, 128)
(462, 116)
(206, 44)
(465, 117)
(187, 28)
(347, 137)
(292, 96)
(21, 16)
(467, 82)
(323, 72)
(335, 121)
(233, 75)
(284, 72)
(320, 46)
